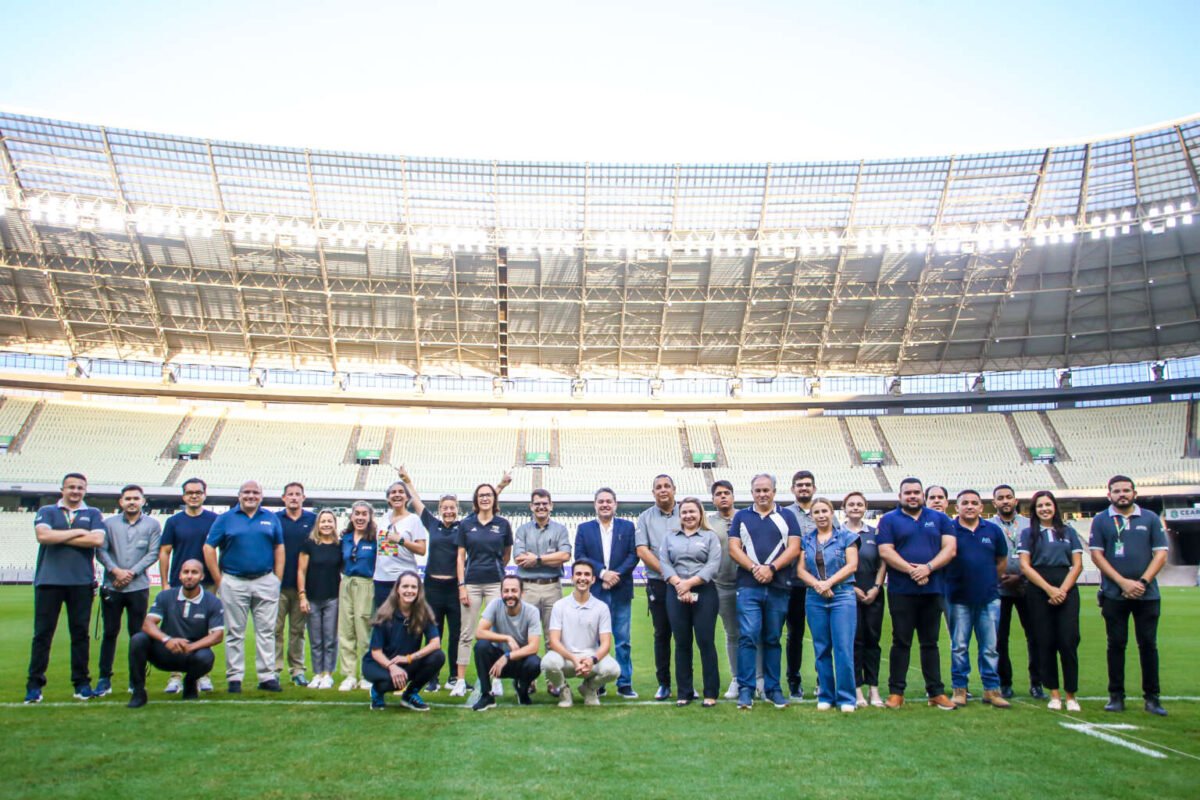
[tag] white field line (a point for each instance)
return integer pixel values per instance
(1098, 731)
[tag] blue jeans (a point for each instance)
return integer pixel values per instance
(761, 614)
(621, 612)
(832, 623)
(983, 620)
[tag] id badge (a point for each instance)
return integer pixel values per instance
(1119, 550)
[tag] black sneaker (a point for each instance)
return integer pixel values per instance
(138, 700)
(663, 693)
(270, 686)
(234, 687)
(795, 690)
(603, 690)
(1115, 703)
(484, 702)
(1036, 692)
(1006, 692)
(523, 698)
(627, 692)
(1155, 707)
(190, 691)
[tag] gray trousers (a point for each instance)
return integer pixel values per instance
(242, 599)
(322, 634)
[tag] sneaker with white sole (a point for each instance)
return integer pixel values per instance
(591, 697)
(1073, 705)
(365, 685)
(732, 692)
(1055, 704)
(174, 686)
(564, 698)
(204, 684)
(459, 689)
(328, 682)
(823, 706)
(848, 708)
(348, 684)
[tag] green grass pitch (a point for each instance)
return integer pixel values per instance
(327, 744)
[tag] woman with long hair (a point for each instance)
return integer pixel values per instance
(402, 538)
(357, 593)
(828, 567)
(690, 557)
(1052, 559)
(406, 651)
(318, 578)
(868, 591)
(484, 546)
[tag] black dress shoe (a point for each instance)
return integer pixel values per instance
(1037, 692)
(1006, 692)
(234, 687)
(270, 686)
(139, 699)
(1154, 707)
(1116, 703)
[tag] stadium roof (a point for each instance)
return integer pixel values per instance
(128, 244)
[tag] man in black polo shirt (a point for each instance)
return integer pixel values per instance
(1129, 546)
(179, 633)
(68, 534)
(297, 524)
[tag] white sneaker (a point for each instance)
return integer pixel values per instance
(590, 698)
(460, 688)
(848, 708)
(1073, 705)
(365, 685)
(318, 682)
(204, 684)
(497, 687)
(732, 692)
(564, 698)
(826, 706)
(348, 684)
(1055, 704)
(174, 686)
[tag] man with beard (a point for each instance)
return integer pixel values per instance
(653, 525)
(804, 488)
(1012, 594)
(507, 642)
(1129, 546)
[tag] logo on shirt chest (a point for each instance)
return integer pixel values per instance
(930, 525)
(265, 522)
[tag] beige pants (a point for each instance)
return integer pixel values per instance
(478, 596)
(356, 605)
(557, 669)
(543, 596)
(295, 619)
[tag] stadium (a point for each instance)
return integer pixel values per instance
(177, 307)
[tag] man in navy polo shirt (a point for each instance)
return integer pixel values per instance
(250, 540)
(178, 633)
(763, 540)
(973, 592)
(916, 543)
(297, 524)
(68, 534)
(182, 540)
(1129, 546)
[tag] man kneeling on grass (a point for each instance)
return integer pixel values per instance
(580, 640)
(397, 661)
(178, 634)
(507, 642)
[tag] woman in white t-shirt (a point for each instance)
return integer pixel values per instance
(402, 538)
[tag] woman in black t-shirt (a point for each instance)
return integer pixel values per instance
(318, 579)
(484, 547)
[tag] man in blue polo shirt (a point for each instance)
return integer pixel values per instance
(764, 540)
(68, 534)
(973, 592)
(250, 541)
(179, 633)
(182, 540)
(297, 524)
(916, 543)
(1129, 546)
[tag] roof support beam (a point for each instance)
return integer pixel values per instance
(316, 223)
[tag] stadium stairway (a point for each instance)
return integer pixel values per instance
(722, 459)
(1191, 447)
(848, 437)
(351, 455)
(27, 427)
(889, 455)
(1060, 482)
(214, 437)
(172, 448)
(684, 446)
(1060, 449)
(555, 458)
(1018, 439)
(1178, 575)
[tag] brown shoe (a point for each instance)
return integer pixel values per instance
(894, 701)
(942, 702)
(993, 698)
(960, 697)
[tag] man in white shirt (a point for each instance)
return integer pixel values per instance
(580, 638)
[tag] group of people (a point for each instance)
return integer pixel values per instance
(373, 617)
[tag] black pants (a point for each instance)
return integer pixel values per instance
(524, 670)
(656, 602)
(922, 614)
(1145, 629)
(382, 589)
(142, 649)
(112, 605)
(1057, 632)
(795, 629)
(442, 596)
(867, 653)
(47, 604)
(420, 672)
(699, 621)
(1005, 667)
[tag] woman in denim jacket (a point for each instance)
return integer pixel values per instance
(827, 569)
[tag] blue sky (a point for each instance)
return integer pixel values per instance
(616, 81)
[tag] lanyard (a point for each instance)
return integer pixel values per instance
(1121, 523)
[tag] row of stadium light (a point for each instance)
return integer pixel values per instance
(168, 222)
